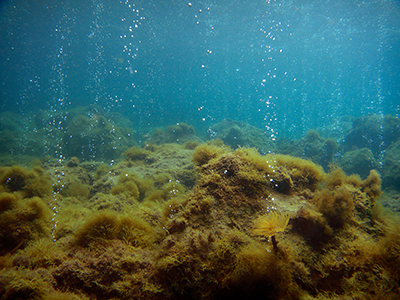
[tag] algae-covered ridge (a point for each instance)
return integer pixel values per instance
(191, 221)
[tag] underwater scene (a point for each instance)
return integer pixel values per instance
(199, 149)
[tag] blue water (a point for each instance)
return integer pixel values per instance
(282, 66)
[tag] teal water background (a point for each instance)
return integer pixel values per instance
(283, 66)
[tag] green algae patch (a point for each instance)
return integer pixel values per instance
(8, 201)
(133, 186)
(204, 153)
(78, 190)
(107, 226)
(41, 253)
(297, 174)
(28, 182)
(21, 221)
(137, 154)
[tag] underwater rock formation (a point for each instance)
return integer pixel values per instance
(24, 214)
(20, 138)
(374, 132)
(240, 134)
(359, 161)
(88, 133)
(179, 133)
(391, 167)
(313, 146)
(95, 137)
(143, 233)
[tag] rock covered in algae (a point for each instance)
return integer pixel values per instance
(95, 136)
(359, 161)
(375, 132)
(24, 213)
(179, 133)
(240, 134)
(312, 146)
(197, 241)
(391, 167)
(85, 132)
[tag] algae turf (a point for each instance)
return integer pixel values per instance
(27, 182)
(24, 213)
(21, 221)
(178, 222)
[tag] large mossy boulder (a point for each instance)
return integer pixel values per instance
(19, 136)
(359, 161)
(391, 167)
(95, 136)
(179, 133)
(312, 146)
(239, 134)
(374, 132)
